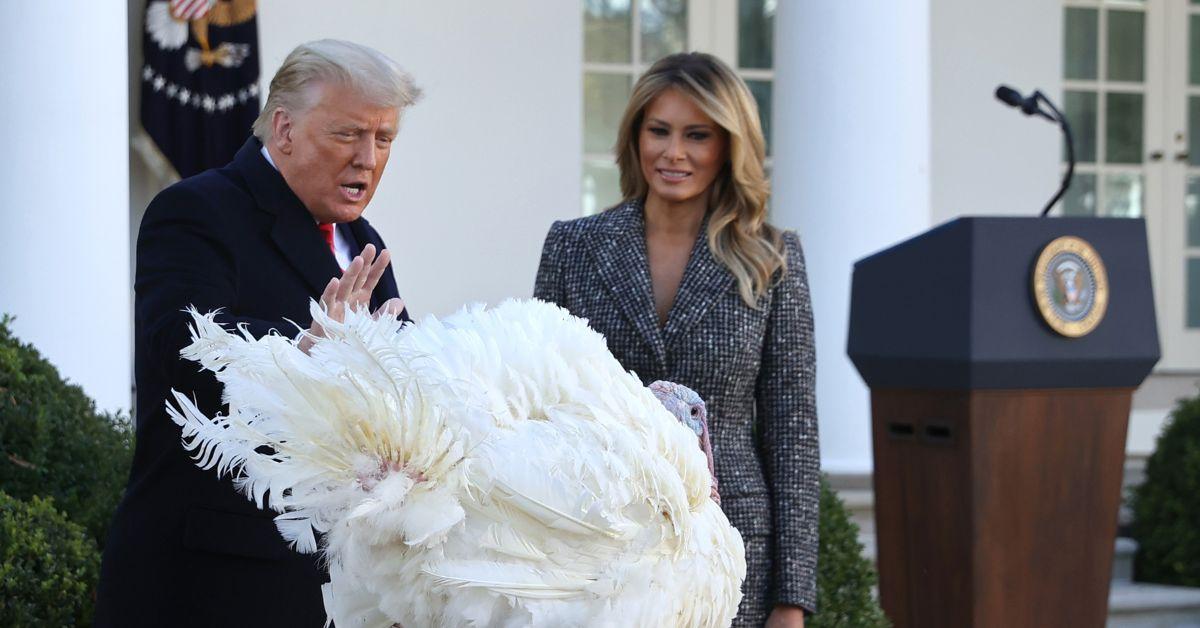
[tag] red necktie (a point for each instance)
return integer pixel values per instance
(327, 231)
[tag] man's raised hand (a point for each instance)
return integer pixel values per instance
(353, 290)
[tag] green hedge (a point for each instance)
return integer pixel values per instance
(63, 466)
(845, 577)
(54, 443)
(1166, 507)
(48, 566)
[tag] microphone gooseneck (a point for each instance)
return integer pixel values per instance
(1032, 106)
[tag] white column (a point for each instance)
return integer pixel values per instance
(64, 189)
(851, 171)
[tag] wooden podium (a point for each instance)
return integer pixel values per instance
(999, 442)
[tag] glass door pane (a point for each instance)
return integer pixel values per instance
(601, 185)
(756, 59)
(1081, 110)
(1081, 41)
(664, 28)
(756, 34)
(1104, 99)
(604, 98)
(762, 95)
(1193, 293)
(607, 28)
(1126, 46)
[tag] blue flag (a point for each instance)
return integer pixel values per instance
(200, 80)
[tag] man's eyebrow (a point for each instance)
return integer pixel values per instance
(355, 127)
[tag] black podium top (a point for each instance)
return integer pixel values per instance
(954, 308)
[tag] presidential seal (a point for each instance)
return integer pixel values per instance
(1070, 286)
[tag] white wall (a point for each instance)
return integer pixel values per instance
(851, 172)
(488, 158)
(64, 189)
(885, 125)
(986, 157)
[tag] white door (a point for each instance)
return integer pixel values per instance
(1129, 91)
(1178, 280)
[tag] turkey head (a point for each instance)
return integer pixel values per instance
(688, 407)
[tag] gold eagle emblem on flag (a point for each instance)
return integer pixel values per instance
(168, 23)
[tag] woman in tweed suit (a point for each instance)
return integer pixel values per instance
(688, 283)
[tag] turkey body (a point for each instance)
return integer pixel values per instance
(495, 468)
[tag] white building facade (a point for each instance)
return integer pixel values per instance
(882, 124)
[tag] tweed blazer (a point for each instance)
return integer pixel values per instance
(755, 369)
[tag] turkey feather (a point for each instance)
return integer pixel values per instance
(493, 468)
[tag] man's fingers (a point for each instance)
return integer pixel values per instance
(392, 307)
(368, 254)
(327, 301)
(350, 279)
(359, 279)
(331, 289)
(368, 257)
(375, 272)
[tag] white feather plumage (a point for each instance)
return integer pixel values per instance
(496, 468)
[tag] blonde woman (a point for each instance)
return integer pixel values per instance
(689, 283)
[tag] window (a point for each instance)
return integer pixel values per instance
(622, 38)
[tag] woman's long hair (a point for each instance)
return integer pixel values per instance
(738, 233)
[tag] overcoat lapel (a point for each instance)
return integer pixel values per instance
(294, 231)
(355, 235)
(620, 257)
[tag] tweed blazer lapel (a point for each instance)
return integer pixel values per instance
(705, 280)
(621, 263)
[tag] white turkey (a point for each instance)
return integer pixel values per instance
(495, 468)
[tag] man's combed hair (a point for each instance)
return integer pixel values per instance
(738, 233)
(363, 70)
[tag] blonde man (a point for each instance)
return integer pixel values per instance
(257, 239)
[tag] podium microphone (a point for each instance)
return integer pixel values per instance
(1031, 105)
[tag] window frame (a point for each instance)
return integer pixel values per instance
(712, 27)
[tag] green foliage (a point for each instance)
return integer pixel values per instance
(54, 443)
(48, 566)
(844, 576)
(1166, 507)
